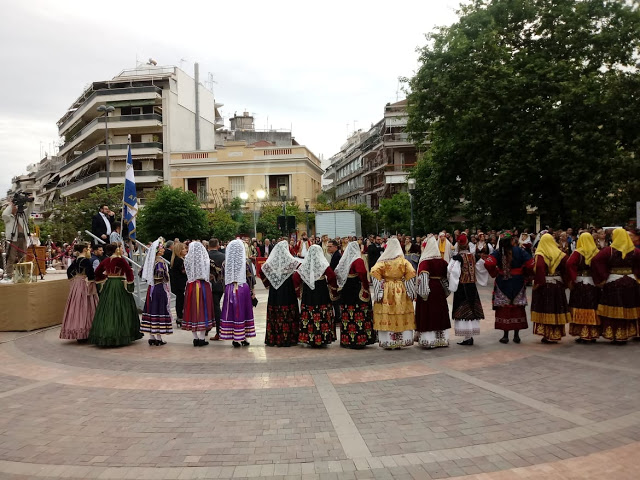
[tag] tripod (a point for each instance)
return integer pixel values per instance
(21, 215)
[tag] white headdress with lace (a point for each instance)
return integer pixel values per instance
(431, 251)
(313, 266)
(235, 263)
(350, 255)
(393, 250)
(280, 265)
(150, 262)
(196, 263)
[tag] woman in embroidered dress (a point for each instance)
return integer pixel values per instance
(116, 321)
(236, 321)
(319, 289)
(83, 297)
(356, 313)
(508, 265)
(198, 298)
(583, 302)
(393, 280)
(467, 308)
(283, 316)
(432, 311)
(616, 270)
(178, 277)
(156, 314)
(549, 308)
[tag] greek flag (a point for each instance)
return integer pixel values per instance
(130, 199)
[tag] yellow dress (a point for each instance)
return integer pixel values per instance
(395, 312)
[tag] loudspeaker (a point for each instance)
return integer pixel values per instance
(291, 223)
(282, 223)
(288, 222)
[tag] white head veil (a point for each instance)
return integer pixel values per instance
(313, 266)
(280, 265)
(196, 263)
(393, 250)
(350, 255)
(150, 261)
(235, 263)
(431, 250)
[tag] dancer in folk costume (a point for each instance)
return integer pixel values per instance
(508, 264)
(319, 289)
(116, 321)
(83, 297)
(236, 321)
(198, 299)
(616, 269)
(283, 316)
(444, 247)
(432, 311)
(156, 314)
(549, 308)
(394, 290)
(356, 312)
(583, 302)
(463, 274)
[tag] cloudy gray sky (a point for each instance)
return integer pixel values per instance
(317, 67)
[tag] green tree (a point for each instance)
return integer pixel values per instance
(170, 213)
(529, 102)
(222, 225)
(395, 213)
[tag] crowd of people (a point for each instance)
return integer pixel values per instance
(387, 290)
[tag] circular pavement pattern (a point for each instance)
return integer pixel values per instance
(177, 412)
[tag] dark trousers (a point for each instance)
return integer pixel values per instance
(217, 297)
(179, 304)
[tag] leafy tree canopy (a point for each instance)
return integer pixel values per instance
(529, 103)
(170, 213)
(395, 213)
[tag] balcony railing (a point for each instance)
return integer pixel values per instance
(106, 91)
(115, 146)
(98, 175)
(121, 118)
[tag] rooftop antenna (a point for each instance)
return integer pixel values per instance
(182, 60)
(397, 89)
(210, 81)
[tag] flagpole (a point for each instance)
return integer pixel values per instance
(124, 190)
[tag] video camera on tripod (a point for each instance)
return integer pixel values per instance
(20, 200)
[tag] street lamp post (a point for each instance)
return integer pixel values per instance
(106, 110)
(411, 183)
(260, 194)
(306, 210)
(283, 197)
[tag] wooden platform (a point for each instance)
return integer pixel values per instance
(29, 306)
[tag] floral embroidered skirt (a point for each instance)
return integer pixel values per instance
(316, 324)
(356, 327)
(283, 325)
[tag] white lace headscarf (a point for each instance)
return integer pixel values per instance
(393, 250)
(313, 266)
(350, 255)
(150, 261)
(280, 265)
(431, 251)
(196, 263)
(235, 263)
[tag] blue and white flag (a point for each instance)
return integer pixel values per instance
(130, 199)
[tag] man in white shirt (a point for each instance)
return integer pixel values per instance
(102, 223)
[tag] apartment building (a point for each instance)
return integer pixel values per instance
(155, 109)
(375, 164)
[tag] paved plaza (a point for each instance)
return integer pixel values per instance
(490, 411)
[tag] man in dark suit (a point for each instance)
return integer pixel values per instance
(374, 251)
(334, 250)
(102, 223)
(217, 281)
(265, 249)
(168, 250)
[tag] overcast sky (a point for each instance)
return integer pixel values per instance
(316, 68)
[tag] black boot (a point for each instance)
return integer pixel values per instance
(468, 341)
(516, 336)
(235, 344)
(245, 343)
(505, 337)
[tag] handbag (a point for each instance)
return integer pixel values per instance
(254, 301)
(445, 286)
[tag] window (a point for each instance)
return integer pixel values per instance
(199, 187)
(236, 186)
(136, 137)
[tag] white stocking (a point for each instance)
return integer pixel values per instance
(153, 337)
(195, 334)
(201, 335)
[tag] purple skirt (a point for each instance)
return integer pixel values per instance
(156, 317)
(236, 322)
(80, 309)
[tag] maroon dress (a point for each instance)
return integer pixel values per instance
(432, 315)
(583, 302)
(549, 307)
(619, 303)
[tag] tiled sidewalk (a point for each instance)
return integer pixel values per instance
(489, 411)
